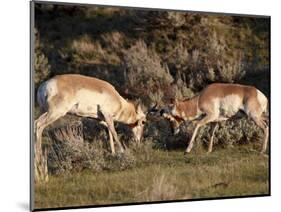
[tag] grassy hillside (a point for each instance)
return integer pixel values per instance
(153, 56)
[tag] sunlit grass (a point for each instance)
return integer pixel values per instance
(162, 176)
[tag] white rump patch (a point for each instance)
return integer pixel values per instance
(262, 100)
(46, 90)
(52, 88)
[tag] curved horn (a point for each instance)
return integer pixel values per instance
(154, 108)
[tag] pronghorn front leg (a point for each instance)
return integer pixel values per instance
(200, 123)
(210, 148)
(110, 137)
(111, 141)
(112, 132)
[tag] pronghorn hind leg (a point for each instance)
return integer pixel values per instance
(40, 162)
(38, 129)
(205, 120)
(265, 141)
(210, 148)
(262, 124)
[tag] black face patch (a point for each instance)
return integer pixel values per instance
(153, 110)
(178, 118)
(163, 111)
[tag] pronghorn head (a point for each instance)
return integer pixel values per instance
(138, 126)
(173, 115)
(170, 113)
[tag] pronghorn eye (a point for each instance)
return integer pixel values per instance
(143, 122)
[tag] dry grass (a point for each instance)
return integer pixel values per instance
(161, 189)
(85, 50)
(85, 45)
(114, 40)
(162, 176)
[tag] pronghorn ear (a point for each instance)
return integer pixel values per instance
(139, 109)
(154, 107)
(173, 101)
(137, 103)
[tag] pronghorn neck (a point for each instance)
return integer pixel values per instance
(188, 109)
(127, 113)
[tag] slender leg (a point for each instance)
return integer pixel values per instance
(205, 120)
(190, 145)
(110, 137)
(210, 148)
(266, 133)
(111, 142)
(264, 146)
(110, 124)
(261, 123)
(40, 161)
(38, 128)
(42, 122)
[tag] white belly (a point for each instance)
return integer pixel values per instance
(90, 103)
(229, 105)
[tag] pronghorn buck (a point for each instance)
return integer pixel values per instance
(218, 102)
(87, 97)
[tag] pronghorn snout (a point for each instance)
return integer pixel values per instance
(175, 127)
(138, 130)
